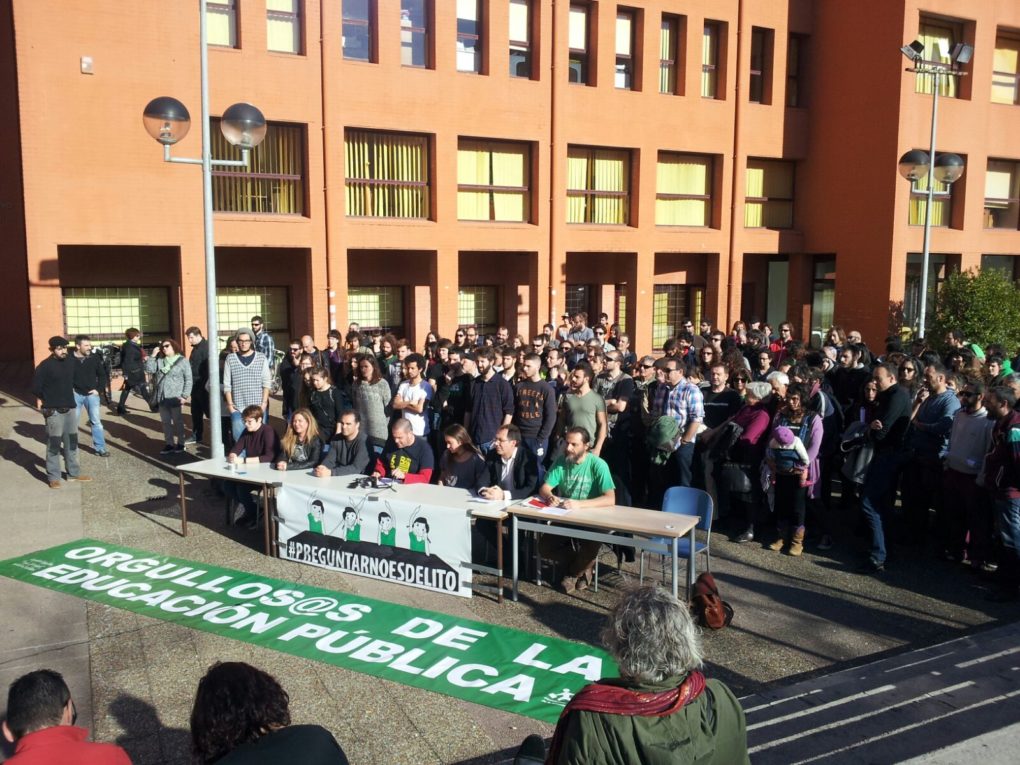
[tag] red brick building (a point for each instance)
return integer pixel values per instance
(440, 162)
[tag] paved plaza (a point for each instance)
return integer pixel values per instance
(134, 677)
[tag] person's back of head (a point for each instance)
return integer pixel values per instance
(236, 703)
(35, 701)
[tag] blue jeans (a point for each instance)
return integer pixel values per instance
(91, 404)
(683, 460)
(236, 424)
(533, 445)
(1008, 513)
(876, 499)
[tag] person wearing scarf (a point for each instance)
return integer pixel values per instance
(661, 703)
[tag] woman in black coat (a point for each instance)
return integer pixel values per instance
(132, 364)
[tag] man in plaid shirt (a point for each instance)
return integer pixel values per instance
(685, 403)
(264, 343)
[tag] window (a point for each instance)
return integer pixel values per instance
(283, 26)
(273, 182)
(103, 313)
(221, 22)
(760, 85)
(823, 298)
(625, 27)
(942, 202)
(478, 307)
(469, 36)
(710, 60)
(669, 56)
(492, 181)
(670, 304)
(1005, 71)
(578, 299)
(1002, 194)
(387, 174)
(414, 33)
(377, 309)
(938, 269)
(577, 39)
(620, 302)
(236, 305)
(683, 190)
(359, 30)
(768, 199)
(1005, 264)
(520, 38)
(598, 182)
(939, 36)
(794, 72)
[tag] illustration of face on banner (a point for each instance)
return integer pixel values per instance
(384, 538)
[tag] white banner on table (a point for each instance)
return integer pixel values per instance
(377, 535)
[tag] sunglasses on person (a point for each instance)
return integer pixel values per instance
(648, 366)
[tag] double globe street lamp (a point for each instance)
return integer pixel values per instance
(167, 120)
(917, 164)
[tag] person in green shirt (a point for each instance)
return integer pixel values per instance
(582, 407)
(387, 531)
(315, 516)
(661, 709)
(351, 525)
(577, 479)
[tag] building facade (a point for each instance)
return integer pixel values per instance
(435, 163)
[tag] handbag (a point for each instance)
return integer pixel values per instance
(708, 608)
(735, 478)
(154, 394)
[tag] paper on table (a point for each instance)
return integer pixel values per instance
(555, 510)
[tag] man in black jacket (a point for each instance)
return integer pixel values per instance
(348, 453)
(887, 430)
(53, 386)
(90, 380)
(199, 360)
(513, 474)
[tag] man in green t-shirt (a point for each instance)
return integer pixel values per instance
(582, 407)
(579, 479)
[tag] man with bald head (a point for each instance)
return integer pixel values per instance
(405, 457)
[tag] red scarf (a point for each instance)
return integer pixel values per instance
(614, 700)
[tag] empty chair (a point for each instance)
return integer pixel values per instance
(685, 501)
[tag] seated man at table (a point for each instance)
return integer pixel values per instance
(405, 457)
(348, 452)
(512, 473)
(258, 443)
(580, 480)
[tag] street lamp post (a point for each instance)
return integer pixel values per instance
(243, 125)
(916, 164)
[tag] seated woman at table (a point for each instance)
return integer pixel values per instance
(405, 458)
(258, 443)
(461, 464)
(301, 446)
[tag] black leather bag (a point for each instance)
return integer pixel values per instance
(735, 477)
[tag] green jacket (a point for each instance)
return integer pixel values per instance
(708, 730)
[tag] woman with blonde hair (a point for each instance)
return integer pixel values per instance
(301, 445)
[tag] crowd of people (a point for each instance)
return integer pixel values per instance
(767, 425)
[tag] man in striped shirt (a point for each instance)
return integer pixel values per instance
(246, 381)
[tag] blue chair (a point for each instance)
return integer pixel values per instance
(684, 501)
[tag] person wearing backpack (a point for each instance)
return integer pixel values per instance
(794, 471)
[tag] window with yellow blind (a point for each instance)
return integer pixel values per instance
(273, 182)
(942, 202)
(236, 305)
(768, 193)
(1002, 194)
(283, 26)
(387, 174)
(103, 313)
(598, 185)
(710, 60)
(669, 307)
(670, 81)
(1005, 70)
(492, 180)
(221, 22)
(939, 36)
(683, 190)
(377, 308)
(477, 306)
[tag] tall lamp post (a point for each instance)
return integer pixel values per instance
(243, 125)
(916, 164)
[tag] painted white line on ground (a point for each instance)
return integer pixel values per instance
(915, 663)
(989, 657)
(821, 707)
(856, 718)
(782, 701)
(912, 726)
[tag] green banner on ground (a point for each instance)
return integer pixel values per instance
(486, 664)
